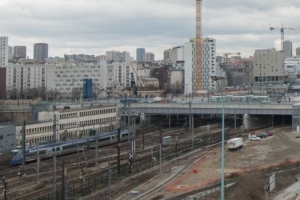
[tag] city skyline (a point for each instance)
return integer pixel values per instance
(77, 27)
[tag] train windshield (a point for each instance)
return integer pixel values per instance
(17, 159)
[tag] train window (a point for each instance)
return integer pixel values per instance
(53, 149)
(57, 148)
(125, 135)
(104, 139)
(42, 152)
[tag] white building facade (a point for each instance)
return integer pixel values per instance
(175, 54)
(209, 64)
(3, 51)
(292, 67)
(119, 74)
(70, 124)
(23, 77)
(67, 77)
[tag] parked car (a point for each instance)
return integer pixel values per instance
(270, 133)
(298, 136)
(254, 138)
(262, 135)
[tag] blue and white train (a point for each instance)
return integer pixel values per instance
(71, 146)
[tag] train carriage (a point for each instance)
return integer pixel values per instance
(68, 147)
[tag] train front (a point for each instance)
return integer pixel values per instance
(17, 159)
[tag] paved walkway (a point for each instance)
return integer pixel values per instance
(290, 193)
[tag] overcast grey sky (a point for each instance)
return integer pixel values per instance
(97, 26)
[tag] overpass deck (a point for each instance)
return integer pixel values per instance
(208, 108)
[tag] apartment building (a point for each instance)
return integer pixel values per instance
(149, 57)
(292, 67)
(209, 64)
(140, 54)
(67, 78)
(23, 77)
(80, 58)
(174, 55)
(268, 67)
(40, 51)
(117, 56)
(298, 51)
(19, 51)
(248, 72)
(3, 51)
(119, 74)
(10, 53)
(288, 48)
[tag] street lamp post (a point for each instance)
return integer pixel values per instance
(272, 120)
(215, 78)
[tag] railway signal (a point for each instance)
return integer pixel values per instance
(4, 185)
(130, 159)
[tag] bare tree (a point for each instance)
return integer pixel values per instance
(53, 94)
(76, 93)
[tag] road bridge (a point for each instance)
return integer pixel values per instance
(212, 108)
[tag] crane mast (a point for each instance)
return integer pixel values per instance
(133, 86)
(198, 69)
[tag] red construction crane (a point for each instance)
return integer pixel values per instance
(282, 32)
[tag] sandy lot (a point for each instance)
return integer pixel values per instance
(279, 148)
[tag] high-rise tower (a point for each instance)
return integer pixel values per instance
(40, 51)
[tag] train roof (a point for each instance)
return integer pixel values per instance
(108, 134)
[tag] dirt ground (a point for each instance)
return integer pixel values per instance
(276, 149)
(280, 148)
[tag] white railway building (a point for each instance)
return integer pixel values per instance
(70, 123)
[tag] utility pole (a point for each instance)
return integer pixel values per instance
(192, 131)
(38, 163)
(133, 138)
(23, 144)
(63, 180)
(160, 133)
(143, 134)
(54, 128)
(108, 172)
(119, 152)
(96, 149)
(190, 118)
(129, 119)
(54, 177)
(160, 160)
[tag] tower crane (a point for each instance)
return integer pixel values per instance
(282, 32)
(133, 85)
(198, 69)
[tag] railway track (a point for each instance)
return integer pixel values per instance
(74, 167)
(190, 160)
